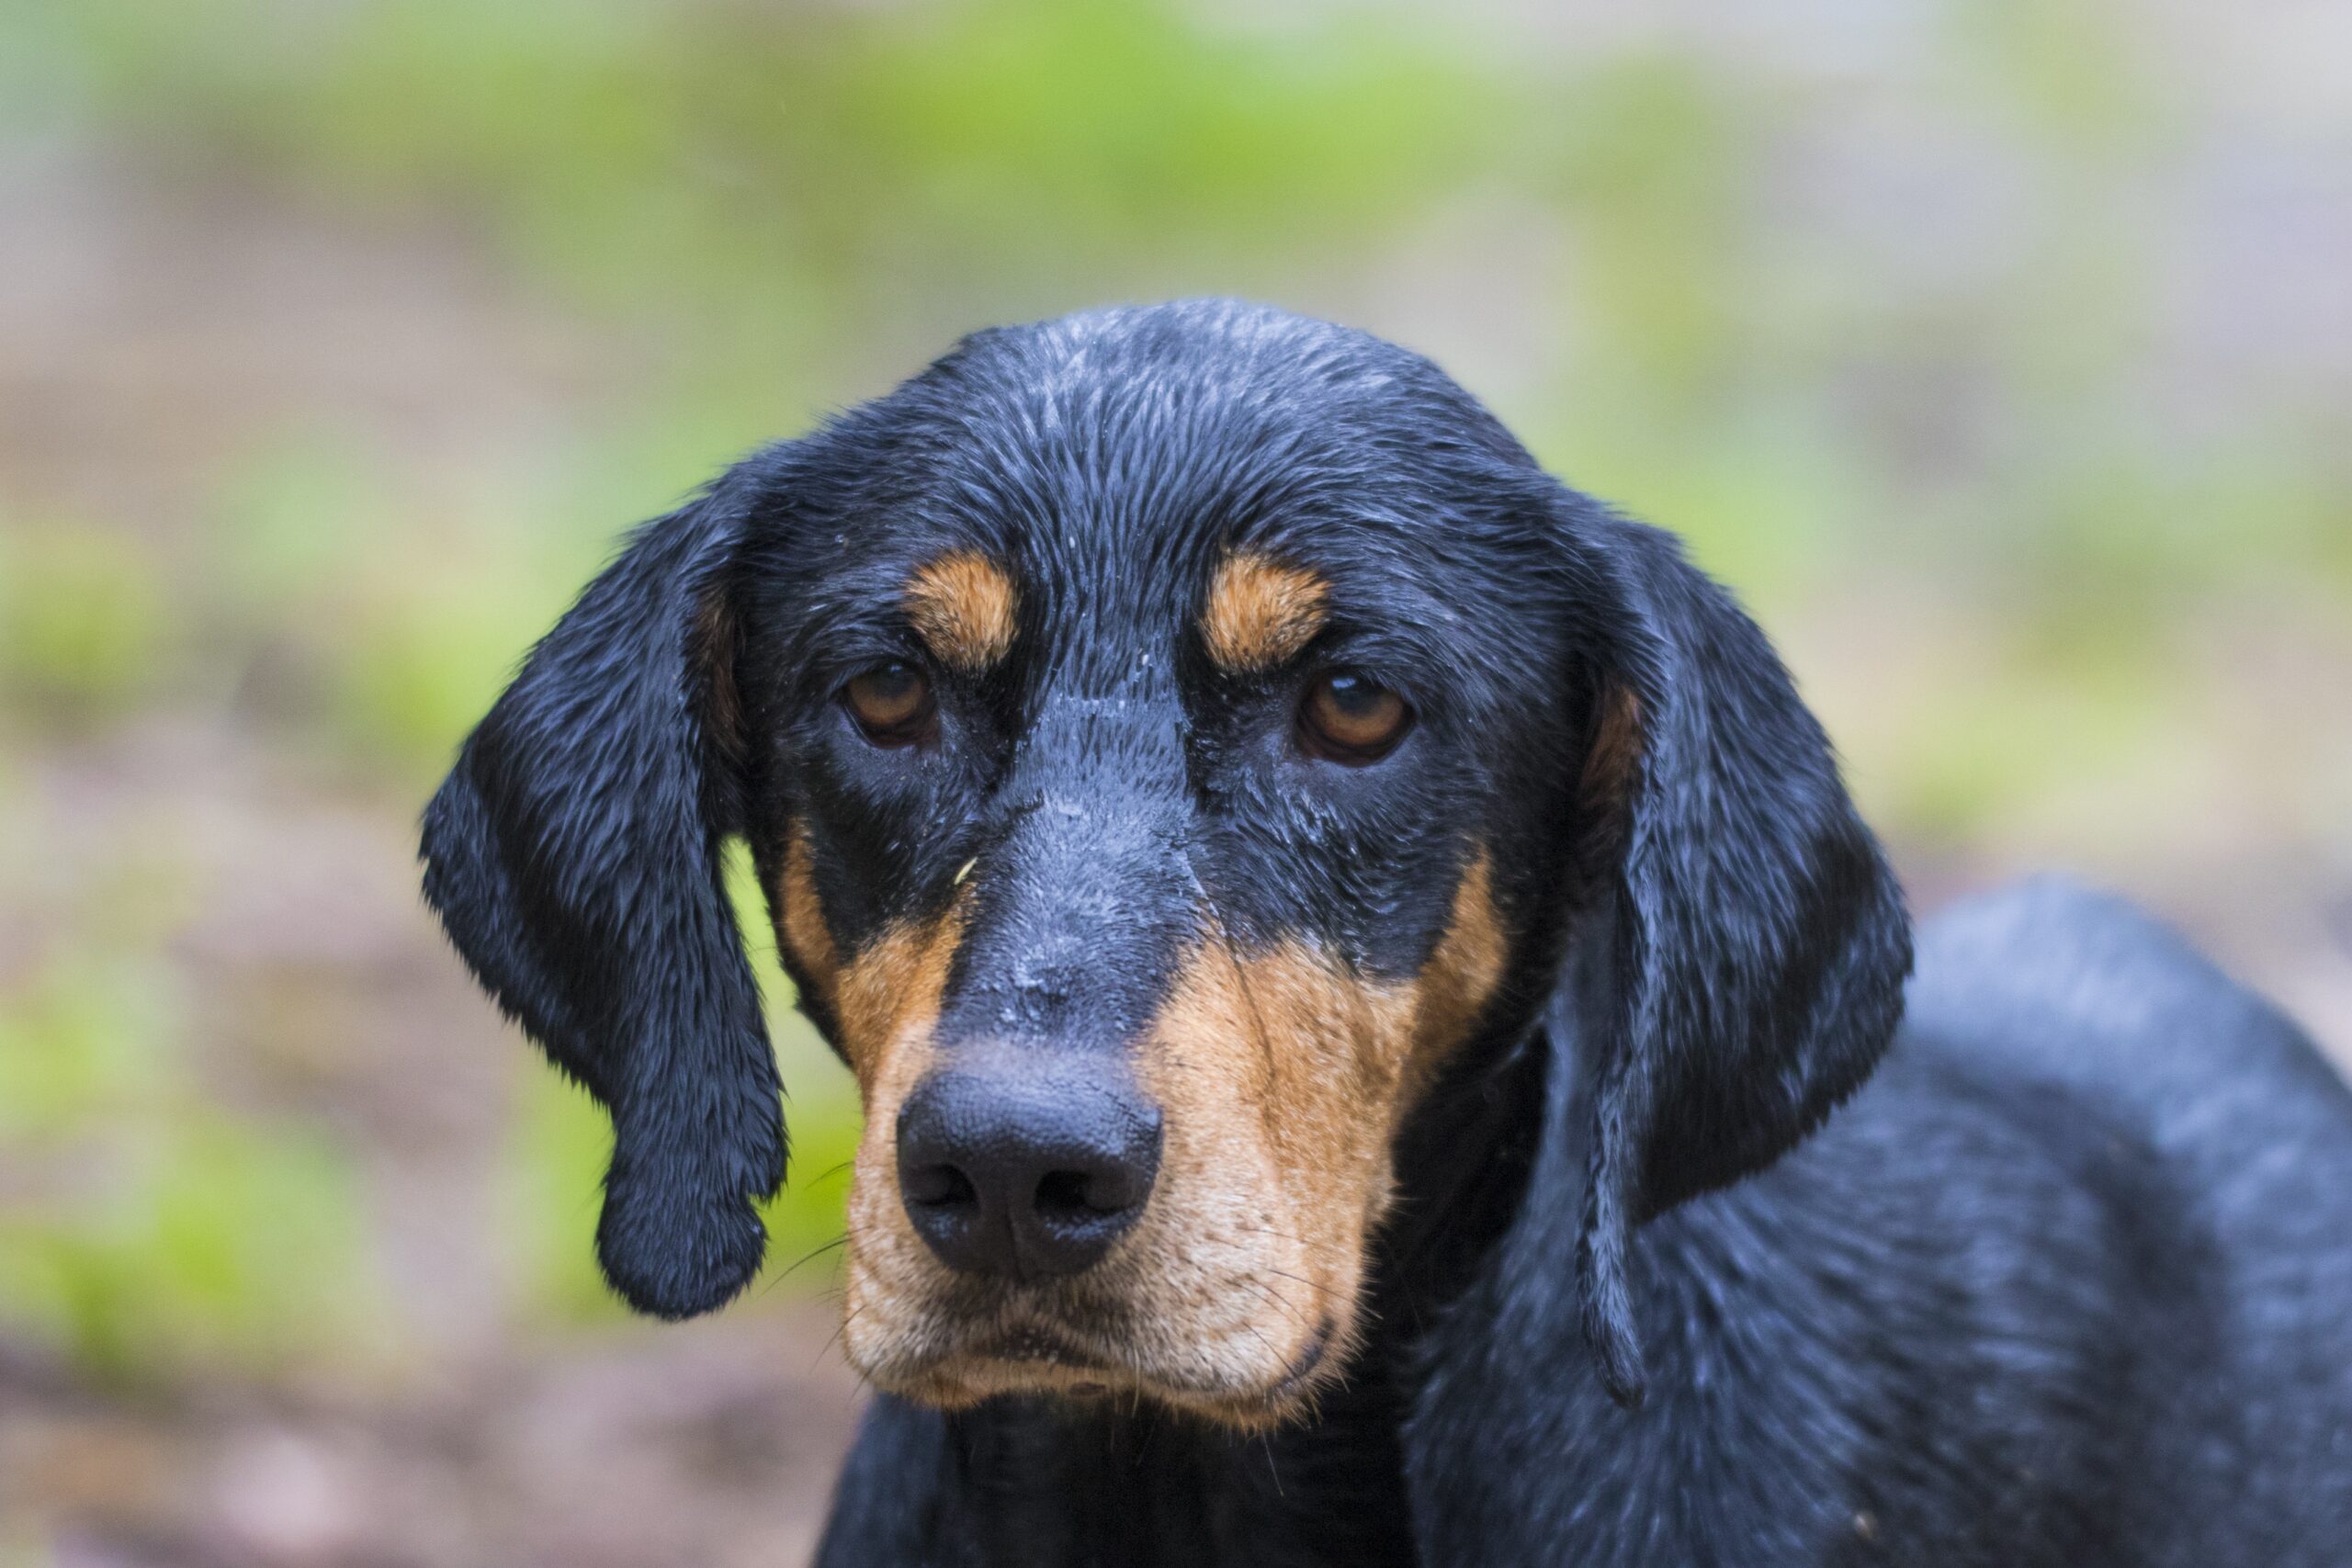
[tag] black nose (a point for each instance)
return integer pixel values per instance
(1026, 1171)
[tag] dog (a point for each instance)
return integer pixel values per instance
(1383, 1037)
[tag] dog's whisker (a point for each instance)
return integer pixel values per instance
(1276, 1298)
(783, 1274)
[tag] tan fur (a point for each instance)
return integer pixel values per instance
(1283, 1078)
(1605, 795)
(711, 653)
(964, 607)
(1260, 612)
(1459, 980)
(1616, 747)
(890, 997)
(889, 991)
(884, 1000)
(800, 929)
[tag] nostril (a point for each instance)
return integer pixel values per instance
(938, 1186)
(1072, 1195)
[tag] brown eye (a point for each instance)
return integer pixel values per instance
(891, 703)
(1353, 718)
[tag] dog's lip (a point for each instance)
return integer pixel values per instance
(1305, 1364)
(1084, 1364)
(1035, 1343)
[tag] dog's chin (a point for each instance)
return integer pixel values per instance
(951, 1362)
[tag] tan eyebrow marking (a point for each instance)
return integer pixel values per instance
(963, 607)
(1260, 612)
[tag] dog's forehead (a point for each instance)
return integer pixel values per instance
(1108, 464)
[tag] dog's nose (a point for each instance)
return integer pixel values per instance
(1024, 1173)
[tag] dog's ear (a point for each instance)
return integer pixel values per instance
(573, 855)
(1756, 942)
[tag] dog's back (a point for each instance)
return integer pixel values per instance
(2146, 1058)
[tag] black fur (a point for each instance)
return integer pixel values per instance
(2054, 1269)
(1758, 943)
(573, 856)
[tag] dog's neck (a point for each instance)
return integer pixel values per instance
(1059, 1481)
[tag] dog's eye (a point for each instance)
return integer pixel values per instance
(891, 702)
(1351, 717)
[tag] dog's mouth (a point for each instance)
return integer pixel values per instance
(1043, 1346)
(953, 1365)
(1095, 1373)
(1064, 1366)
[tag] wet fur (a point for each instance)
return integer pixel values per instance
(1678, 1220)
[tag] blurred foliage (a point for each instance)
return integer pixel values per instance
(179, 1234)
(759, 209)
(84, 621)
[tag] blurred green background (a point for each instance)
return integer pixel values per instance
(1999, 352)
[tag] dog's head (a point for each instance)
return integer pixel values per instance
(1168, 738)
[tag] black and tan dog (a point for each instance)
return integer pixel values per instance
(1360, 968)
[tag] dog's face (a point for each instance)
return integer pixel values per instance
(1170, 740)
(1162, 741)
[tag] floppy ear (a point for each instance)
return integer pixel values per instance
(573, 857)
(1758, 942)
